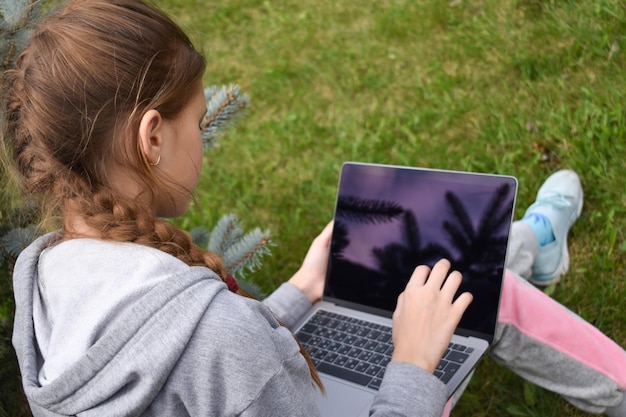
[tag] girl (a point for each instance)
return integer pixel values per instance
(118, 313)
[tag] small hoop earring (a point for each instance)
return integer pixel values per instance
(155, 163)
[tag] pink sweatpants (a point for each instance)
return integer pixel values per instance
(547, 344)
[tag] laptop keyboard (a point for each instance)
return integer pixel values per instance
(359, 351)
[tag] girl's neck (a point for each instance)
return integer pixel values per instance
(75, 227)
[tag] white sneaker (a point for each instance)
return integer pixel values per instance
(560, 199)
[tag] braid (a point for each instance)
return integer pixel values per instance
(119, 221)
(26, 161)
(73, 106)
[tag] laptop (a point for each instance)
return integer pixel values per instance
(388, 220)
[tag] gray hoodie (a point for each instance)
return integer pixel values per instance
(120, 329)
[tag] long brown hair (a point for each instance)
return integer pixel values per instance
(73, 104)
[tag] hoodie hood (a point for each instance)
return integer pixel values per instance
(140, 338)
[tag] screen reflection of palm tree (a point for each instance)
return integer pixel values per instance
(358, 210)
(476, 251)
(359, 283)
(399, 259)
(479, 250)
(482, 248)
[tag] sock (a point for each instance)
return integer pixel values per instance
(541, 226)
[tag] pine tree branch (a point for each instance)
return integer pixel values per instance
(248, 252)
(224, 104)
(226, 233)
(17, 18)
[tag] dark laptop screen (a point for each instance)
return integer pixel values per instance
(388, 220)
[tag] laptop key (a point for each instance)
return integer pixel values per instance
(384, 337)
(381, 348)
(448, 372)
(443, 376)
(353, 328)
(362, 331)
(373, 334)
(351, 363)
(341, 360)
(342, 326)
(457, 357)
(385, 360)
(451, 368)
(376, 358)
(354, 353)
(343, 373)
(375, 383)
(309, 328)
(373, 370)
(371, 346)
(303, 337)
(319, 354)
(362, 367)
(360, 342)
(334, 346)
(344, 349)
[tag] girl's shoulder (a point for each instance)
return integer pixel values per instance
(237, 352)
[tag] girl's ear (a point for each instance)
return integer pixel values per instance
(151, 136)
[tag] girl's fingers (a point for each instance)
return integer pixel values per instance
(461, 303)
(449, 290)
(419, 277)
(328, 230)
(439, 273)
(452, 284)
(423, 275)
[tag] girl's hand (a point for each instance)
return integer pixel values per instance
(311, 275)
(426, 316)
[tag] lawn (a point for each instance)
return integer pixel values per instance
(518, 87)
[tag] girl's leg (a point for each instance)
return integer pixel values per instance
(523, 250)
(563, 354)
(540, 339)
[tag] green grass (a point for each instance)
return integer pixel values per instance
(519, 87)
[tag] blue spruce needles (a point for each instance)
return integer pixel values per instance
(223, 104)
(240, 251)
(15, 27)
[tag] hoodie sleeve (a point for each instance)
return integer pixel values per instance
(407, 388)
(407, 391)
(288, 303)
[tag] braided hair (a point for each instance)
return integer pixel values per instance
(73, 103)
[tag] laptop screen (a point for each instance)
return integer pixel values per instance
(388, 220)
